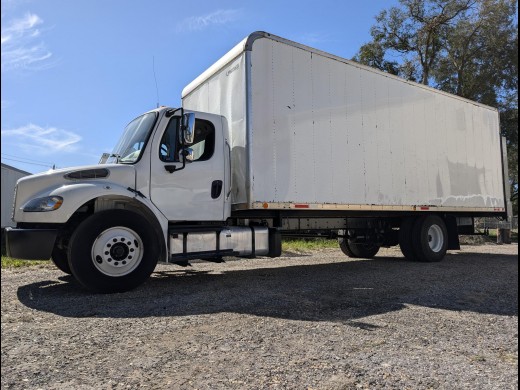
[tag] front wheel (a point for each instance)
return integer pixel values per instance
(113, 251)
(60, 260)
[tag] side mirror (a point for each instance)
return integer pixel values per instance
(104, 158)
(188, 128)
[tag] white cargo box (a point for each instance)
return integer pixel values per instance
(312, 130)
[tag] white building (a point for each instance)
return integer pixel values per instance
(9, 177)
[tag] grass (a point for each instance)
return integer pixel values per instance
(307, 244)
(9, 262)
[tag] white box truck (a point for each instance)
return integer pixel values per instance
(274, 138)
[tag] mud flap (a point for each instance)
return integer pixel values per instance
(453, 234)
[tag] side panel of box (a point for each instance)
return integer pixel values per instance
(325, 131)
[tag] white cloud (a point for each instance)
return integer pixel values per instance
(38, 140)
(20, 46)
(219, 17)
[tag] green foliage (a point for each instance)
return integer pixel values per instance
(415, 31)
(372, 54)
(509, 128)
(479, 53)
(9, 262)
(307, 244)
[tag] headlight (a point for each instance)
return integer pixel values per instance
(47, 203)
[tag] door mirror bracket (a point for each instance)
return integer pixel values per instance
(170, 168)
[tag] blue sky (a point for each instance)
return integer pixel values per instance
(74, 73)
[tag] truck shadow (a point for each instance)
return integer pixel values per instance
(339, 291)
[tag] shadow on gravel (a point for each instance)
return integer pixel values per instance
(339, 291)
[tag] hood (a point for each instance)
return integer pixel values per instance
(41, 184)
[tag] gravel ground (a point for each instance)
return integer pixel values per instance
(305, 321)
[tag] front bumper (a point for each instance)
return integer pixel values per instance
(30, 244)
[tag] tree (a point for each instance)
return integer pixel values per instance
(372, 54)
(509, 128)
(465, 47)
(478, 53)
(414, 30)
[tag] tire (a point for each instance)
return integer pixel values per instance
(113, 251)
(345, 248)
(430, 238)
(365, 251)
(405, 238)
(60, 260)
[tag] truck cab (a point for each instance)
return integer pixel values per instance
(162, 195)
(183, 171)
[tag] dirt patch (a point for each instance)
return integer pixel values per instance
(477, 240)
(318, 320)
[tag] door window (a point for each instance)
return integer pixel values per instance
(203, 144)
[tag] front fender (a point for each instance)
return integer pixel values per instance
(77, 194)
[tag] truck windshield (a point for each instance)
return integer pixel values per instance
(130, 145)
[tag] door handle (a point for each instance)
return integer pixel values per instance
(216, 189)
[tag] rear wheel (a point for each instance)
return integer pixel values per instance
(113, 251)
(430, 238)
(345, 247)
(357, 250)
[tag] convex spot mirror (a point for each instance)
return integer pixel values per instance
(189, 154)
(188, 128)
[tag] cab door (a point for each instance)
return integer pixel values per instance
(195, 192)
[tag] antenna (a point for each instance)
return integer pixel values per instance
(155, 78)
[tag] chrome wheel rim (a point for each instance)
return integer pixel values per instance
(117, 251)
(435, 238)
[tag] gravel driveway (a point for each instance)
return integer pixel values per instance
(305, 321)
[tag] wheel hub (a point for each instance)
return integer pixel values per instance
(435, 238)
(117, 251)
